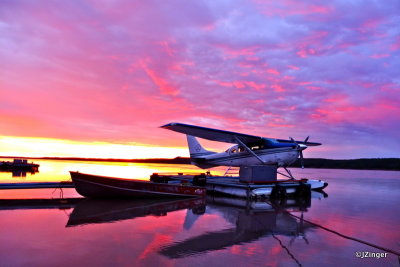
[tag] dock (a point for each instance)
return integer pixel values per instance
(53, 203)
(225, 185)
(232, 186)
(37, 185)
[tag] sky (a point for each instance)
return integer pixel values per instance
(97, 78)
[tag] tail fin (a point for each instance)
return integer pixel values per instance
(195, 149)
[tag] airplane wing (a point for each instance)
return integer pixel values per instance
(224, 136)
(211, 134)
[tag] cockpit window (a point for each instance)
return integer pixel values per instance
(236, 149)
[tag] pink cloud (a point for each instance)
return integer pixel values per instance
(293, 67)
(273, 71)
(167, 48)
(232, 52)
(278, 88)
(395, 44)
(280, 125)
(242, 84)
(306, 52)
(378, 56)
(292, 8)
(164, 86)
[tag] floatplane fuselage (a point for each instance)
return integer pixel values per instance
(238, 155)
(248, 150)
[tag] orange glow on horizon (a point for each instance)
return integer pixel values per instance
(47, 147)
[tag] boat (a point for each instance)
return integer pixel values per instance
(96, 186)
(18, 164)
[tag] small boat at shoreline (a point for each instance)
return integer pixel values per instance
(18, 164)
(96, 186)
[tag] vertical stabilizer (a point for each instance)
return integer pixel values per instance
(195, 148)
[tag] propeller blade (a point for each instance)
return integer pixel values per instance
(305, 141)
(291, 139)
(301, 159)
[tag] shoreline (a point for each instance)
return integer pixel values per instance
(389, 164)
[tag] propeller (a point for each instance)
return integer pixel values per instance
(291, 139)
(300, 149)
(301, 159)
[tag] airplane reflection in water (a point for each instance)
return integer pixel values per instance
(252, 221)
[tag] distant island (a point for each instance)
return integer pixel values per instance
(357, 164)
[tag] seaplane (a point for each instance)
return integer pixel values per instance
(249, 150)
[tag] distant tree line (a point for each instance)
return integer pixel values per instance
(358, 164)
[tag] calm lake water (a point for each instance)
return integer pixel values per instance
(200, 232)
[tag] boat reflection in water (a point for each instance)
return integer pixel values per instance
(92, 211)
(20, 173)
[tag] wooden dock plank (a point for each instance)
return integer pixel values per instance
(37, 185)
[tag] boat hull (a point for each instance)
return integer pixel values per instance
(95, 186)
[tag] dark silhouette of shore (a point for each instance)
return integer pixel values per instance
(357, 164)
(177, 160)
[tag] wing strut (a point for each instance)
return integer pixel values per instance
(248, 149)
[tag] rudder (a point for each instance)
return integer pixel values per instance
(195, 148)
